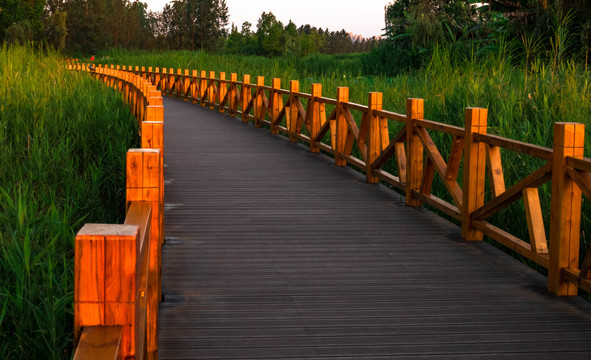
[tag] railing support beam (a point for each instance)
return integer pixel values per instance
(565, 221)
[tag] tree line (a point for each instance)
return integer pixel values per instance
(89, 26)
(549, 29)
(553, 30)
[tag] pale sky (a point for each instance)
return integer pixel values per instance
(365, 17)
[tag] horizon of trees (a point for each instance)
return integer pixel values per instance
(89, 26)
(551, 30)
(421, 24)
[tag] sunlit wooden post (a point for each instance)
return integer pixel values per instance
(129, 87)
(211, 90)
(171, 82)
(143, 72)
(155, 97)
(291, 114)
(151, 75)
(414, 156)
(276, 103)
(259, 114)
(105, 280)
(341, 127)
(565, 221)
(153, 138)
(222, 90)
(374, 141)
(194, 87)
(232, 95)
(474, 170)
(202, 87)
(157, 79)
(316, 114)
(144, 181)
(186, 85)
(164, 81)
(177, 83)
(245, 96)
(154, 113)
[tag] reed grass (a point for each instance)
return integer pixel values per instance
(62, 163)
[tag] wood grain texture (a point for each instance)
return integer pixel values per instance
(104, 284)
(414, 156)
(100, 343)
(565, 221)
(274, 252)
(474, 170)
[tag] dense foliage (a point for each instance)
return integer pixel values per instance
(64, 138)
(87, 26)
(548, 29)
(273, 39)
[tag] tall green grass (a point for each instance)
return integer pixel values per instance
(64, 138)
(524, 100)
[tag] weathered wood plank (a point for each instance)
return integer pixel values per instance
(100, 343)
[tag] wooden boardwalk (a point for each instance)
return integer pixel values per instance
(274, 252)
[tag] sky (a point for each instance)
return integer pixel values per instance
(364, 17)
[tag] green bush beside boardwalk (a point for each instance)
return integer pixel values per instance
(64, 138)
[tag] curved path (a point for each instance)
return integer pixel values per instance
(274, 252)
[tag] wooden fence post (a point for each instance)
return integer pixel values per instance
(222, 90)
(414, 149)
(154, 97)
(474, 170)
(202, 87)
(105, 280)
(317, 118)
(177, 82)
(144, 181)
(186, 84)
(233, 92)
(259, 115)
(157, 79)
(276, 103)
(342, 128)
(245, 96)
(154, 113)
(374, 141)
(291, 114)
(164, 82)
(194, 86)
(153, 135)
(211, 90)
(565, 221)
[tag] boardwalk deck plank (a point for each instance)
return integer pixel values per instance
(274, 252)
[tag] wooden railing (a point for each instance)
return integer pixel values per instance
(377, 136)
(117, 267)
(368, 137)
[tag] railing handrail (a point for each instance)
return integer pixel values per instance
(116, 301)
(412, 145)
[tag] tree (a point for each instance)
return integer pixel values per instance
(270, 35)
(21, 21)
(195, 24)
